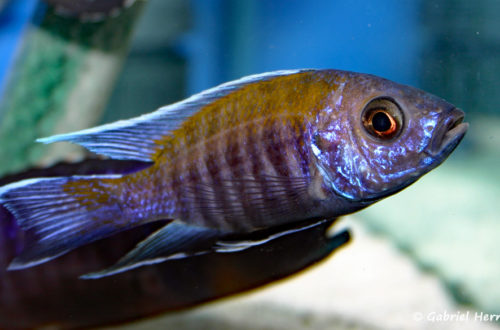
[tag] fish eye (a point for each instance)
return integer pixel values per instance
(382, 118)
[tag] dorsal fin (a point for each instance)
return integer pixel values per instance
(135, 139)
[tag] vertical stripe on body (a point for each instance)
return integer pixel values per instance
(243, 177)
(227, 162)
(252, 172)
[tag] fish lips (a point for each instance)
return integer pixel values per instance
(449, 134)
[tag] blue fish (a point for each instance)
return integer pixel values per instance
(249, 155)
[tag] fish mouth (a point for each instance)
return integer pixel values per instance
(449, 135)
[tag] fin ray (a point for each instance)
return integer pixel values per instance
(60, 221)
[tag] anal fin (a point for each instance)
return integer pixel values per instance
(174, 240)
(179, 240)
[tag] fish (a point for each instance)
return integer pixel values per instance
(258, 153)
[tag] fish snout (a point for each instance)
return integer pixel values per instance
(448, 135)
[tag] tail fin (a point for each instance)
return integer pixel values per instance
(63, 213)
